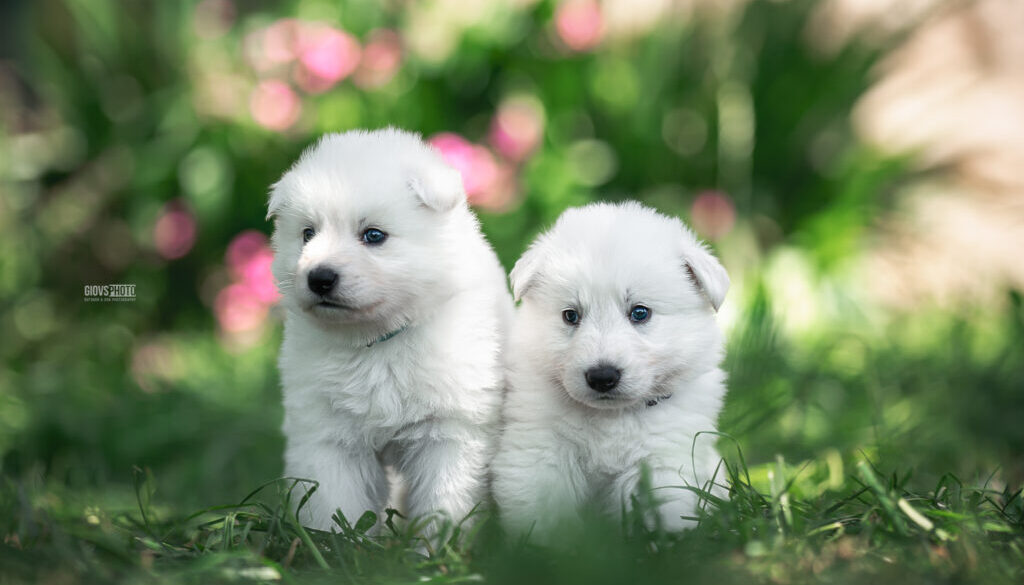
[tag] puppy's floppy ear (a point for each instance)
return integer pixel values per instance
(439, 187)
(526, 272)
(707, 273)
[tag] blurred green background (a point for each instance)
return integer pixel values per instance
(856, 168)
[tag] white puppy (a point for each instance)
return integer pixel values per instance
(613, 367)
(396, 313)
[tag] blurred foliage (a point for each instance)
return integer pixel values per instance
(117, 118)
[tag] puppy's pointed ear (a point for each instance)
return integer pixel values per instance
(276, 200)
(526, 272)
(439, 187)
(707, 273)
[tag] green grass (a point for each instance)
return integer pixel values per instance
(781, 524)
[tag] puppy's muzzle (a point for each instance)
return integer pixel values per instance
(602, 377)
(322, 280)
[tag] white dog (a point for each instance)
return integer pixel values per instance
(613, 367)
(396, 314)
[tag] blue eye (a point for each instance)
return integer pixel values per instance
(570, 316)
(639, 314)
(374, 236)
(307, 234)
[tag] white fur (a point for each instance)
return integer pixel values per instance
(565, 446)
(424, 401)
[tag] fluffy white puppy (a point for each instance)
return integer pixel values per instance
(613, 367)
(396, 313)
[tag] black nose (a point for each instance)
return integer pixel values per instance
(321, 280)
(602, 377)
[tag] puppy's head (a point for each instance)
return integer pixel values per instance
(618, 305)
(361, 224)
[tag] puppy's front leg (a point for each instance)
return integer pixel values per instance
(538, 484)
(444, 468)
(351, 480)
(676, 504)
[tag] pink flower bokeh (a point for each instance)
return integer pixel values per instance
(244, 304)
(326, 56)
(580, 24)
(713, 214)
(174, 232)
(517, 128)
(382, 57)
(280, 41)
(474, 162)
(242, 249)
(503, 192)
(238, 309)
(249, 259)
(274, 105)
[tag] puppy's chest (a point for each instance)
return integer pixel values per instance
(377, 394)
(370, 396)
(607, 450)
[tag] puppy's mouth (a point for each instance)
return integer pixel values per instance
(333, 305)
(613, 399)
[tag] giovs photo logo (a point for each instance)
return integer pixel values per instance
(109, 292)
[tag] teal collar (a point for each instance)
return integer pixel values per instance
(387, 336)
